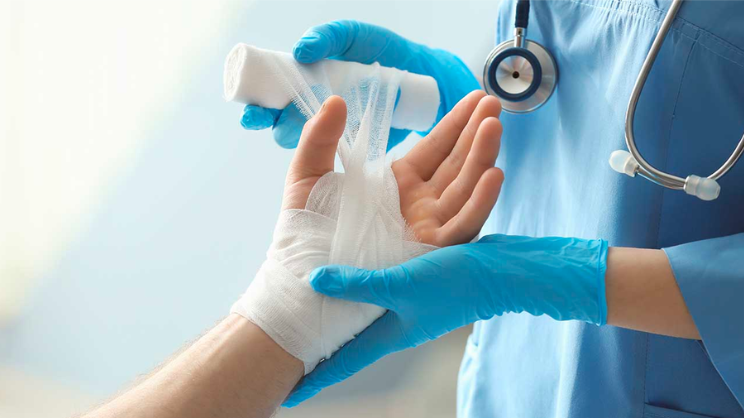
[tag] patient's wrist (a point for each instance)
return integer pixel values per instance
(273, 362)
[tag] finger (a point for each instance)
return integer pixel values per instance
(256, 117)
(488, 107)
(430, 152)
(317, 147)
(473, 215)
(381, 338)
(288, 127)
(481, 157)
(353, 284)
(351, 40)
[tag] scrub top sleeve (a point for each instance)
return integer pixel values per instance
(710, 274)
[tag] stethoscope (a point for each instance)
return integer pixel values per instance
(523, 75)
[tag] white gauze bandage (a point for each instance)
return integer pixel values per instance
(251, 78)
(352, 218)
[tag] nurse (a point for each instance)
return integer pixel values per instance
(593, 295)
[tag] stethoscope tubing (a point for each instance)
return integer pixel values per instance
(631, 162)
(645, 169)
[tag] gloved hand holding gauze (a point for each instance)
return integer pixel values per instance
(352, 218)
(256, 76)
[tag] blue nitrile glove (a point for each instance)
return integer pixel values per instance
(446, 289)
(350, 40)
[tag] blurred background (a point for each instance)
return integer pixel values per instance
(134, 209)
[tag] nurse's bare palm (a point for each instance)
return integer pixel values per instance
(448, 183)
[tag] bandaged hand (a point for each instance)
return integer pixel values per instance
(447, 186)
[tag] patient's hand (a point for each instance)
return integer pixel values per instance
(447, 182)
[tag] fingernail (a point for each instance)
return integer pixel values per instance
(322, 280)
(314, 119)
(310, 37)
(245, 122)
(301, 54)
(304, 50)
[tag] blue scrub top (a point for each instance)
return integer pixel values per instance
(558, 183)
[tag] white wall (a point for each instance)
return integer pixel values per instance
(151, 207)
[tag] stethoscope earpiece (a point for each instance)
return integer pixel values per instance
(703, 188)
(523, 75)
(631, 162)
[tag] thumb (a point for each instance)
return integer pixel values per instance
(318, 142)
(353, 284)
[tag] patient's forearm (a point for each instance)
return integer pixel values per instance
(235, 370)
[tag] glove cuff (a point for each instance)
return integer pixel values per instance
(601, 288)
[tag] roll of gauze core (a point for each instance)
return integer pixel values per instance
(252, 77)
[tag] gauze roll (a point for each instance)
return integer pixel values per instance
(250, 78)
(352, 218)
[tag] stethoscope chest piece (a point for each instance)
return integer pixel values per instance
(522, 77)
(523, 74)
